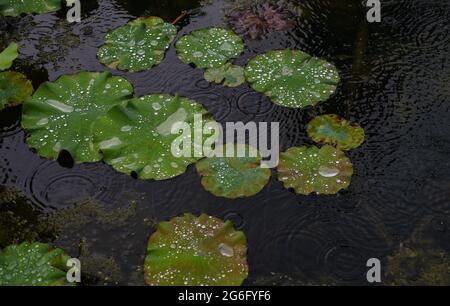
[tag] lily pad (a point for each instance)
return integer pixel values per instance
(307, 170)
(230, 75)
(8, 56)
(209, 48)
(136, 136)
(33, 264)
(234, 177)
(139, 45)
(336, 131)
(59, 115)
(14, 88)
(193, 251)
(15, 7)
(292, 78)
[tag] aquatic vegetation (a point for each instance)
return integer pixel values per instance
(8, 56)
(14, 88)
(59, 115)
(418, 266)
(257, 19)
(19, 219)
(194, 251)
(139, 45)
(233, 177)
(136, 136)
(16, 8)
(213, 49)
(230, 75)
(307, 170)
(292, 78)
(33, 264)
(336, 131)
(209, 48)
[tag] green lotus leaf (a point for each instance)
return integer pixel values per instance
(234, 177)
(136, 136)
(336, 131)
(195, 251)
(8, 56)
(230, 75)
(59, 115)
(307, 170)
(17, 7)
(33, 264)
(292, 78)
(209, 48)
(14, 88)
(139, 45)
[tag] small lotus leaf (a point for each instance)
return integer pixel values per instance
(307, 170)
(230, 75)
(209, 48)
(14, 88)
(195, 251)
(33, 264)
(336, 131)
(8, 56)
(17, 7)
(136, 136)
(292, 78)
(234, 177)
(59, 115)
(139, 45)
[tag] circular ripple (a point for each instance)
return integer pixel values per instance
(217, 104)
(437, 196)
(52, 186)
(10, 121)
(253, 103)
(235, 218)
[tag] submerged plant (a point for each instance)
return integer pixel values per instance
(14, 88)
(234, 177)
(213, 49)
(308, 170)
(136, 136)
(8, 56)
(16, 8)
(59, 115)
(336, 131)
(418, 266)
(139, 45)
(292, 78)
(256, 20)
(194, 251)
(33, 264)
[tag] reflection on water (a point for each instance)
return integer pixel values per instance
(395, 78)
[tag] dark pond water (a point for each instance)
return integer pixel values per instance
(395, 83)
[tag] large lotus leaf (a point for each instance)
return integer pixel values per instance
(59, 115)
(33, 264)
(334, 130)
(137, 135)
(292, 78)
(234, 177)
(230, 75)
(195, 251)
(307, 170)
(8, 56)
(14, 88)
(209, 48)
(17, 7)
(138, 45)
